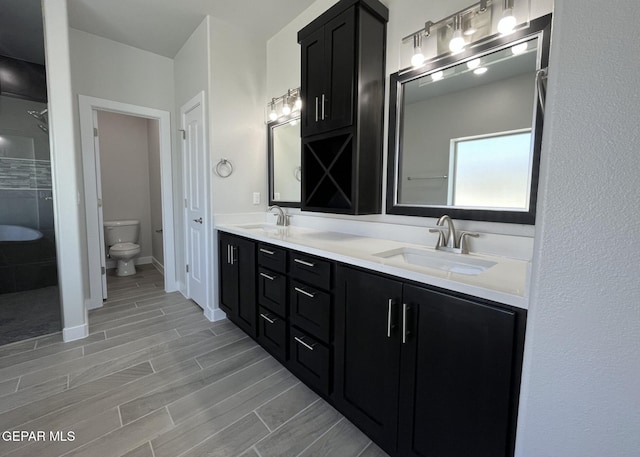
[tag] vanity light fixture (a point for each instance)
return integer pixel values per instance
(480, 71)
(287, 105)
(417, 60)
(508, 22)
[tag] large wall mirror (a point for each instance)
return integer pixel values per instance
(465, 131)
(284, 162)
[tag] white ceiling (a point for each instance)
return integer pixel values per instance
(163, 26)
(158, 26)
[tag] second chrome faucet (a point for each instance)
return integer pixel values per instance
(283, 218)
(448, 240)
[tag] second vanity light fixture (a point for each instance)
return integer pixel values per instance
(287, 105)
(455, 32)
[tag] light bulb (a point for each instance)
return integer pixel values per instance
(473, 64)
(437, 76)
(286, 109)
(273, 115)
(508, 22)
(298, 103)
(519, 48)
(294, 122)
(418, 58)
(457, 42)
(480, 71)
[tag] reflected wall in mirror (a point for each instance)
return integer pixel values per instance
(284, 162)
(465, 132)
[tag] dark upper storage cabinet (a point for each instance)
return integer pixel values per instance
(343, 67)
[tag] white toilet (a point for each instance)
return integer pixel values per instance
(120, 238)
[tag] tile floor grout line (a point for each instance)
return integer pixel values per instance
(262, 420)
(314, 441)
(153, 452)
(293, 417)
(166, 408)
(365, 448)
(256, 450)
(120, 416)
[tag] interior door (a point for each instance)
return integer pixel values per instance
(103, 254)
(194, 156)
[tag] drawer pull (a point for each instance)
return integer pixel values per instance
(266, 251)
(404, 323)
(270, 278)
(307, 264)
(389, 315)
(304, 292)
(266, 318)
(301, 341)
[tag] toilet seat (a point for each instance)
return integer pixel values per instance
(124, 249)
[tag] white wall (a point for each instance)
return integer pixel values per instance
(124, 170)
(155, 190)
(66, 173)
(580, 394)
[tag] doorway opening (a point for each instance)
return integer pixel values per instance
(127, 168)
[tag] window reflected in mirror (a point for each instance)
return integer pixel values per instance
(284, 162)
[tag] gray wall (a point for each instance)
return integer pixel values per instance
(430, 125)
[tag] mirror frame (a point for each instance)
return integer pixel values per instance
(270, 127)
(540, 28)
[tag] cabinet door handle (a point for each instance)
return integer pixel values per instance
(266, 318)
(270, 278)
(302, 262)
(304, 292)
(389, 317)
(300, 341)
(228, 253)
(266, 251)
(316, 109)
(405, 332)
(323, 107)
(231, 252)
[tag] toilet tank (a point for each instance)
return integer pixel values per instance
(121, 231)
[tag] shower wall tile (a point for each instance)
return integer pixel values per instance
(19, 207)
(24, 174)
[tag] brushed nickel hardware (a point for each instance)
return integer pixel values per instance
(404, 323)
(159, 231)
(448, 240)
(266, 251)
(304, 292)
(283, 219)
(302, 262)
(184, 133)
(323, 103)
(266, 318)
(270, 278)
(228, 254)
(316, 109)
(224, 168)
(390, 305)
(418, 178)
(541, 78)
(301, 341)
(199, 220)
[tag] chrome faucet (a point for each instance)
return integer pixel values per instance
(451, 242)
(283, 219)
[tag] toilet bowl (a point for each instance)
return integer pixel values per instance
(120, 238)
(124, 253)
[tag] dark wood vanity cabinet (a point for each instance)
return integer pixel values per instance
(343, 74)
(426, 373)
(238, 281)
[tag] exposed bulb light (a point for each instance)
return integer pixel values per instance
(473, 64)
(480, 71)
(417, 60)
(272, 114)
(298, 103)
(457, 42)
(294, 122)
(470, 31)
(437, 76)
(286, 109)
(519, 48)
(508, 22)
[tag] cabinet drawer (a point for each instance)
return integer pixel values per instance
(272, 291)
(272, 258)
(272, 333)
(313, 271)
(310, 310)
(310, 360)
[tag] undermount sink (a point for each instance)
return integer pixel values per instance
(262, 227)
(455, 263)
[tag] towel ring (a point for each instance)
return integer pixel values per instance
(298, 173)
(224, 168)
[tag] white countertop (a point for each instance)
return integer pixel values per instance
(505, 282)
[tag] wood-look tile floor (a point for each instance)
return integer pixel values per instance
(156, 379)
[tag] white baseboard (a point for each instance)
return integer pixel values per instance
(214, 314)
(93, 303)
(158, 265)
(137, 261)
(75, 333)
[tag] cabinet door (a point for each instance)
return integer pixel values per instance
(368, 353)
(456, 377)
(312, 88)
(244, 256)
(340, 45)
(229, 280)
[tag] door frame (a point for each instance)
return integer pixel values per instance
(87, 105)
(198, 100)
